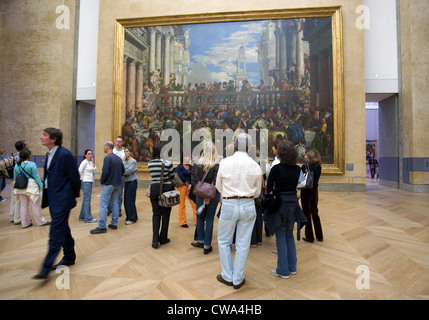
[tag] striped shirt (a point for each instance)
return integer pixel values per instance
(155, 167)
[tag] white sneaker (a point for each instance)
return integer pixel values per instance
(129, 222)
(274, 273)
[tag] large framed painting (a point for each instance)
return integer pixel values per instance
(274, 74)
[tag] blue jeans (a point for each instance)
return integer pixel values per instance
(205, 235)
(237, 215)
(109, 193)
(121, 191)
(286, 250)
(85, 211)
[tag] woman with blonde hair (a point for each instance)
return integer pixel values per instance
(310, 197)
(207, 163)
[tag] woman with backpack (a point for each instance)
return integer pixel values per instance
(31, 194)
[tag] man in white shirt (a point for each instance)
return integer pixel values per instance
(119, 148)
(239, 180)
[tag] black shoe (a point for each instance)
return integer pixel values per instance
(184, 226)
(238, 286)
(111, 226)
(164, 242)
(306, 240)
(98, 230)
(207, 251)
(197, 244)
(155, 245)
(63, 262)
(42, 275)
(222, 280)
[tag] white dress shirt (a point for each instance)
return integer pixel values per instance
(239, 176)
(87, 171)
(50, 155)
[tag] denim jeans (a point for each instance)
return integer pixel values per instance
(286, 250)
(109, 193)
(85, 211)
(205, 234)
(120, 196)
(237, 215)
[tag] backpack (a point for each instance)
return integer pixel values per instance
(6, 166)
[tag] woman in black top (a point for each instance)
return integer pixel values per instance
(310, 197)
(284, 178)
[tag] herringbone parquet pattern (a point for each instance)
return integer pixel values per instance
(384, 230)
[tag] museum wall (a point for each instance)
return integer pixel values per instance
(414, 95)
(354, 83)
(37, 83)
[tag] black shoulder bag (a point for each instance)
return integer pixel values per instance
(21, 181)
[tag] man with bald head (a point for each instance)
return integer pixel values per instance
(111, 180)
(239, 180)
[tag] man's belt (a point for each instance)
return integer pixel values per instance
(237, 197)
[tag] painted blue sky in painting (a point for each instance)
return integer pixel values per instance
(214, 49)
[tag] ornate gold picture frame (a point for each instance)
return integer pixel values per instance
(321, 28)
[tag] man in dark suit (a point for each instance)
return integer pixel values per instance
(61, 188)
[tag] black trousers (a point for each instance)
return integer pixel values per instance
(59, 237)
(160, 222)
(309, 202)
(130, 191)
(258, 226)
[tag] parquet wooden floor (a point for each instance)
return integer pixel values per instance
(384, 230)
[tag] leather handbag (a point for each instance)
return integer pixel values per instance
(271, 201)
(177, 182)
(307, 183)
(169, 198)
(205, 190)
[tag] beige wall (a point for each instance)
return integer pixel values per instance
(37, 72)
(414, 39)
(354, 84)
(37, 67)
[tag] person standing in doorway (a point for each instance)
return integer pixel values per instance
(61, 188)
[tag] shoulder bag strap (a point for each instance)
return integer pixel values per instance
(162, 177)
(307, 167)
(26, 172)
(205, 175)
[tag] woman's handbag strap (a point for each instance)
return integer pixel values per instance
(162, 177)
(205, 175)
